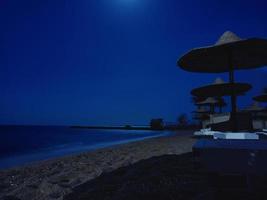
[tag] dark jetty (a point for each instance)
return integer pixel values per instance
(167, 177)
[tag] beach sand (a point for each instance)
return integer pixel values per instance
(52, 179)
(169, 177)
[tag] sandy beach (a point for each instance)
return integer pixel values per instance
(52, 179)
(133, 100)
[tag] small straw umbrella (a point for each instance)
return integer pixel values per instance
(201, 110)
(213, 102)
(210, 101)
(261, 98)
(228, 54)
(254, 107)
(258, 112)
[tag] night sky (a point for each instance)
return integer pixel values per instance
(112, 62)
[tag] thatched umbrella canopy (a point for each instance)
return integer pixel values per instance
(254, 107)
(210, 101)
(201, 110)
(226, 89)
(197, 99)
(219, 88)
(261, 98)
(230, 52)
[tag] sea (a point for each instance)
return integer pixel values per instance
(21, 145)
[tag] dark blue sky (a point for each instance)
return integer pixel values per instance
(110, 62)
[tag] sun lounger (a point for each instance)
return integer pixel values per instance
(243, 123)
(236, 136)
(206, 132)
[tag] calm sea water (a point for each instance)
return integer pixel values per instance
(21, 145)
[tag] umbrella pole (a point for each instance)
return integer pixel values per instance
(212, 108)
(233, 96)
(220, 109)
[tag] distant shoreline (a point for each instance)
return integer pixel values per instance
(144, 128)
(114, 128)
(126, 127)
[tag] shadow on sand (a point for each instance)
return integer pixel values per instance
(165, 177)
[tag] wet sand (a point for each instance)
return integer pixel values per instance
(52, 179)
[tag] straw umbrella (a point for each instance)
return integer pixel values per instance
(258, 112)
(219, 88)
(261, 98)
(228, 54)
(213, 102)
(220, 101)
(254, 108)
(196, 99)
(201, 110)
(210, 101)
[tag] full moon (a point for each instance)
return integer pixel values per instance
(127, 1)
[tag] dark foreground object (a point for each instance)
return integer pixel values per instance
(167, 177)
(245, 157)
